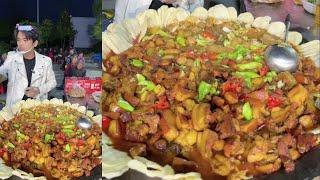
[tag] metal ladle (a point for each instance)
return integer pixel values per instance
(282, 57)
(83, 122)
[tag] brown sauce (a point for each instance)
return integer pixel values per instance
(164, 158)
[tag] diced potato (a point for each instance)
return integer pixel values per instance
(172, 51)
(288, 79)
(279, 114)
(189, 104)
(221, 165)
(168, 125)
(182, 122)
(269, 168)
(187, 138)
(306, 121)
(205, 142)
(114, 128)
(231, 97)
(250, 126)
(258, 151)
(180, 109)
(298, 95)
(199, 116)
(218, 145)
(169, 117)
(171, 134)
(294, 154)
(159, 90)
(191, 137)
(183, 94)
(181, 60)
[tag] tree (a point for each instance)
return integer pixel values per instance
(97, 28)
(46, 31)
(65, 30)
(4, 47)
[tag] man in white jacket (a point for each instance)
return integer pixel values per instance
(30, 74)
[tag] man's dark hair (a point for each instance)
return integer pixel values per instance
(32, 34)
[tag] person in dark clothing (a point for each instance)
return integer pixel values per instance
(73, 64)
(79, 70)
(156, 4)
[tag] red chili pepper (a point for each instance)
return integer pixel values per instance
(26, 145)
(204, 57)
(2, 151)
(191, 54)
(243, 97)
(264, 70)
(233, 85)
(162, 103)
(274, 101)
(77, 142)
(209, 35)
(60, 136)
(105, 122)
(212, 55)
(208, 56)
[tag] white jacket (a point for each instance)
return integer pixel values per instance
(42, 77)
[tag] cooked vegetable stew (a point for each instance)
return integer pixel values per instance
(45, 140)
(200, 97)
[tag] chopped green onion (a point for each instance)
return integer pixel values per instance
(269, 76)
(149, 85)
(254, 47)
(181, 40)
(202, 41)
(20, 136)
(10, 145)
(70, 126)
(16, 125)
(249, 66)
(197, 63)
(48, 138)
(239, 53)
(164, 34)
(67, 148)
(140, 78)
(247, 76)
(137, 63)
(247, 111)
(125, 105)
(67, 131)
(226, 42)
(258, 58)
(204, 89)
(161, 53)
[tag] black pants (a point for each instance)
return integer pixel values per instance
(156, 4)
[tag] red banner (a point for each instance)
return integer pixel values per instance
(90, 85)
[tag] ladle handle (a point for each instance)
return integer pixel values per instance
(287, 23)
